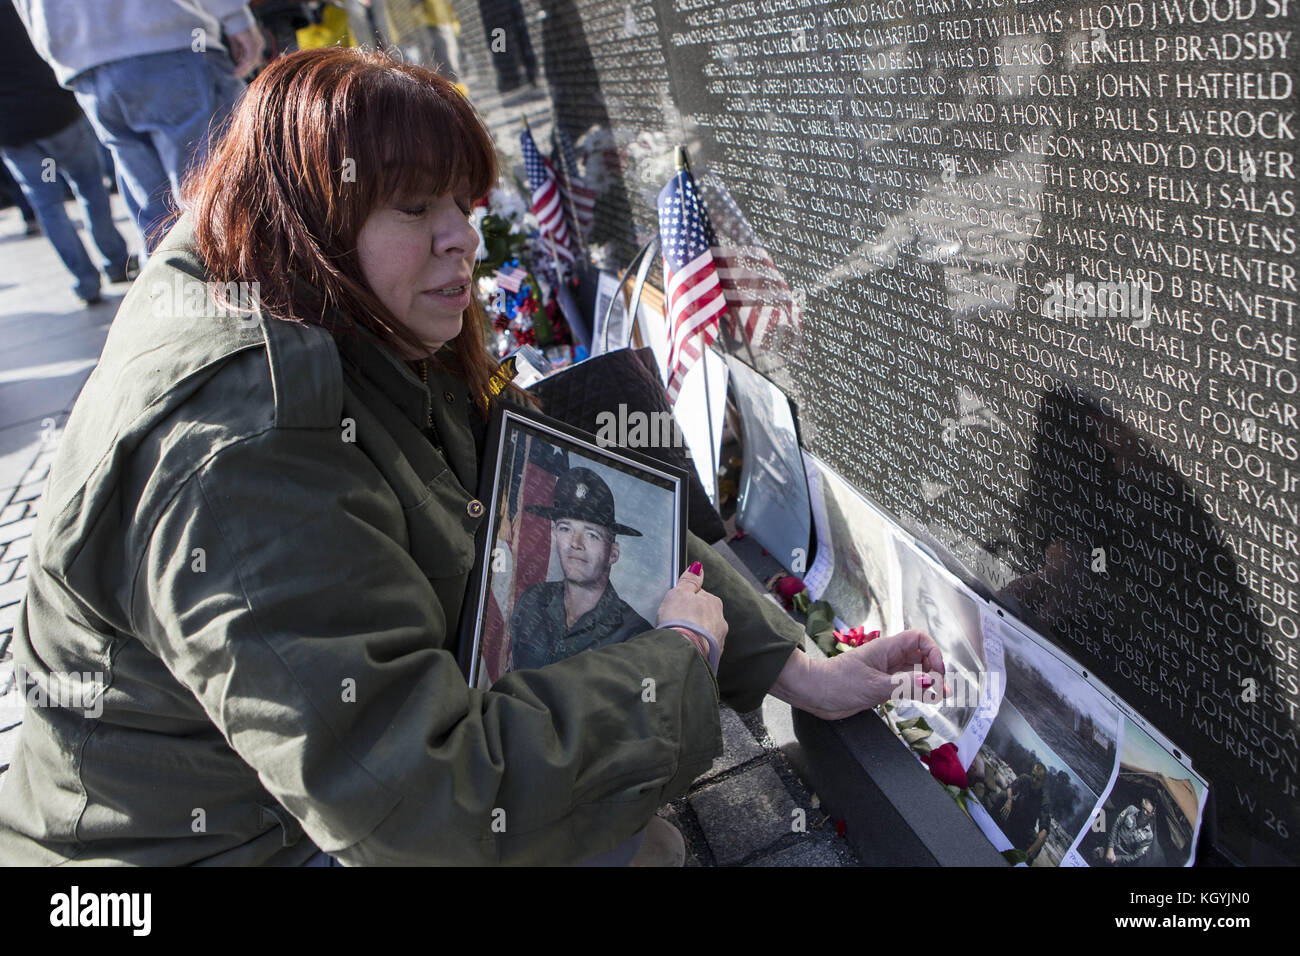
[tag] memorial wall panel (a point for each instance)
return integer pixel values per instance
(1046, 255)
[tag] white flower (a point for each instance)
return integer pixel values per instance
(508, 204)
(476, 220)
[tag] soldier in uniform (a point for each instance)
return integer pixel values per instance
(556, 619)
(1132, 836)
(1027, 814)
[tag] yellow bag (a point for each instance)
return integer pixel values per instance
(333, 30)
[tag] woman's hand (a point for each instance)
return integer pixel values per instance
(689, 602)
(863, 677)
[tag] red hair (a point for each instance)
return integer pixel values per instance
(320, 139)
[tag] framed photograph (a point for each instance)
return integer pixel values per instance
(582, 542)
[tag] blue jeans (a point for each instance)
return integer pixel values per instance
(155, 112)
(74, 154)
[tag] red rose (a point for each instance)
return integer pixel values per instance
(786, 588)
(945, 767)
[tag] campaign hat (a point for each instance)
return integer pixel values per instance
(582, 494)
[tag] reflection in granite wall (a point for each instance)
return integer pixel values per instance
(1047, 255)
(601, 74)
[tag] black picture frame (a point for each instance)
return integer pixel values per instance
(525, 457)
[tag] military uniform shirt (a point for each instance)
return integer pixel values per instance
(1129, 839)
(539, 634)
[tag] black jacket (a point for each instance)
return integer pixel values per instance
(32, 104)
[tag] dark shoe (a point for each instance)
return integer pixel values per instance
(128, 272)
(94, 300)
(33, 227)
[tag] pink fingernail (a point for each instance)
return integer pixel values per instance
(695, 568)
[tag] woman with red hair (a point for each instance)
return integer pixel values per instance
(257, 532)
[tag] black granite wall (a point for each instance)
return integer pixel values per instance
(1047, 258)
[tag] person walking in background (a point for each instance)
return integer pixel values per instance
(441, 34)
(46, 139)
(154, 77)
(12, 194)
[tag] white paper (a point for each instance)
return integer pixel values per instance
(991, 692)
(704, 442)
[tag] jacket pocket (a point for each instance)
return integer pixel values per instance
(441, 527)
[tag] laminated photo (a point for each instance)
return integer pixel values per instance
(933, 601)
(1152, 814)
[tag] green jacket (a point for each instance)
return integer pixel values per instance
(252, 544)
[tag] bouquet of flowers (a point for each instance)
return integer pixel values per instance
(519, 302)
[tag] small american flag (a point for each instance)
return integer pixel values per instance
(691, 289)
(511, 278)
(758, 297)
(583, 200)
(548, 205)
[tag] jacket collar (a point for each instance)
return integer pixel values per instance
(387, 372)
(371, 357)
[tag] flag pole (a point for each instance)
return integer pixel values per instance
(555, 259)
(568, 186)
(683, 161)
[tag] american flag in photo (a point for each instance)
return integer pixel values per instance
(583, 199)
(512, 279)
(692, 294)
(756, 292)
(547, 203)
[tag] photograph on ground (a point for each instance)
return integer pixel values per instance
(1063, 708)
